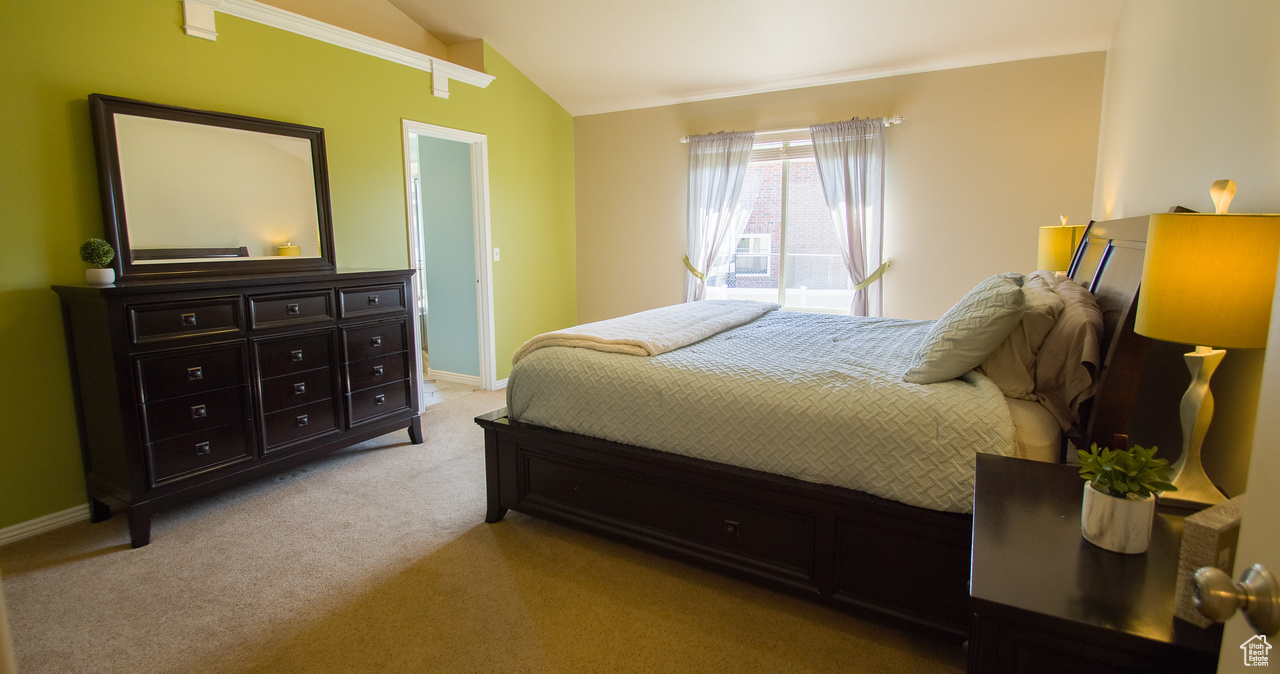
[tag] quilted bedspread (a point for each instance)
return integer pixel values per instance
(811, 396)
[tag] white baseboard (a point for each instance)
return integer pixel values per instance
(502, 383)
(39, 525)
(454, 377)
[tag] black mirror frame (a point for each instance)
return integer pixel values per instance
(102, 109)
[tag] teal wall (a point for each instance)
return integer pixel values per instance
(54, 53)
(448, 241)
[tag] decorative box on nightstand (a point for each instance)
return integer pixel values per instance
(1045, 600)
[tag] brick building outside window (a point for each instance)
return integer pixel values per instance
(787, 251)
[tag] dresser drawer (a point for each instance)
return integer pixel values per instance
(190, 371)
(189, 455)
(362, 374)
(184, 320)
(293, 354)
(378, 401)
(295, 309)
(300, 422)
(370, 300)
(375, 340)
(282, 393)
(194, 413)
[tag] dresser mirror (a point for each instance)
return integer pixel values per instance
(192, 192)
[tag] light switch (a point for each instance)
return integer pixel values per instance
(495, 253)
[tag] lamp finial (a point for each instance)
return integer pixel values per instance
(1222, 191)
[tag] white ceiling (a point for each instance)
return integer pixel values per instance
(595, 56)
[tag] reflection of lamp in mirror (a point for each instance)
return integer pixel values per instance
(290, 250)
(1057, 246)
(1207, 279)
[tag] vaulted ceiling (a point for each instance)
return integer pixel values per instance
(595, 56)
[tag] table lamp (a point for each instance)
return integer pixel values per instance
(1058, 245)
(1207, 280)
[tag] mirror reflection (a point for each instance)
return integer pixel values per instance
(195, 192)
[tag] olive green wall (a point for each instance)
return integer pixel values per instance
(57, 52)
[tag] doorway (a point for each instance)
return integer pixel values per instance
(447, 199)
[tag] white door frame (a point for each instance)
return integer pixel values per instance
(480, 216)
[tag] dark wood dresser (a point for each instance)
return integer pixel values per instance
(187, 386)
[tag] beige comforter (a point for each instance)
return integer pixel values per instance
(652, 332)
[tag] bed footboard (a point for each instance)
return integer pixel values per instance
(840, 547)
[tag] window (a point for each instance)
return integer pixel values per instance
(788, 251)
(752, 255)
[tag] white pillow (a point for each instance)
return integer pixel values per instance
(969, 331)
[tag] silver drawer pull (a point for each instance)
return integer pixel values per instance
(199, 412)
(296, 355)
(373, 300)
(194, 373)
(377, 370)
(379, 399)
(202, 448)
(189, 320)
(376, 341)
(293, 309)
(302, 420)
(299, 388)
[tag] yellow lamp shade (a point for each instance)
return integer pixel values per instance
(1058, 246)
(1208, 279)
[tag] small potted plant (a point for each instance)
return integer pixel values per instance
(98, 253)
(1119, 496)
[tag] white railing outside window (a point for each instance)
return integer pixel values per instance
(787, 213)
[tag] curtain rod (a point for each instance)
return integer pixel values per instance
(888, 121)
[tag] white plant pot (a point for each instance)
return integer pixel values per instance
(100, 277)
(1116, 524)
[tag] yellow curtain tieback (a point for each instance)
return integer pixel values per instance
(875, 276)
(692, 270)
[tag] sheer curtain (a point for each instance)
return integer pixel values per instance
(850, 158)
(717, 169)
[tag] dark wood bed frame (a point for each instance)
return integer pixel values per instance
(836, 546)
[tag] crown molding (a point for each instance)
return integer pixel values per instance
(199, 21)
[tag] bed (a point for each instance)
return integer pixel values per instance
(838, 545)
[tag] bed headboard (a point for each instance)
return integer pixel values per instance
(1109, 263)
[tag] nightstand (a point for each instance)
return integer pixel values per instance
(1045, 600)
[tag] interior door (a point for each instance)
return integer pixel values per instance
(448, 244)
(1261, 520)
(447, 193)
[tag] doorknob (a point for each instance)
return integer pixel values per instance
(1218, 598)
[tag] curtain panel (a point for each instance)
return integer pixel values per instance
(717, 171)
(850, 156)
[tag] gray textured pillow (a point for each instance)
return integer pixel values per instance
(969, 331)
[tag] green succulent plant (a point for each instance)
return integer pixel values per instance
(97, 252)
(1132, 473)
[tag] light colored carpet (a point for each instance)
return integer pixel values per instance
(378, 559)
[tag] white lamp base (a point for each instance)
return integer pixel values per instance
(1195, 491)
